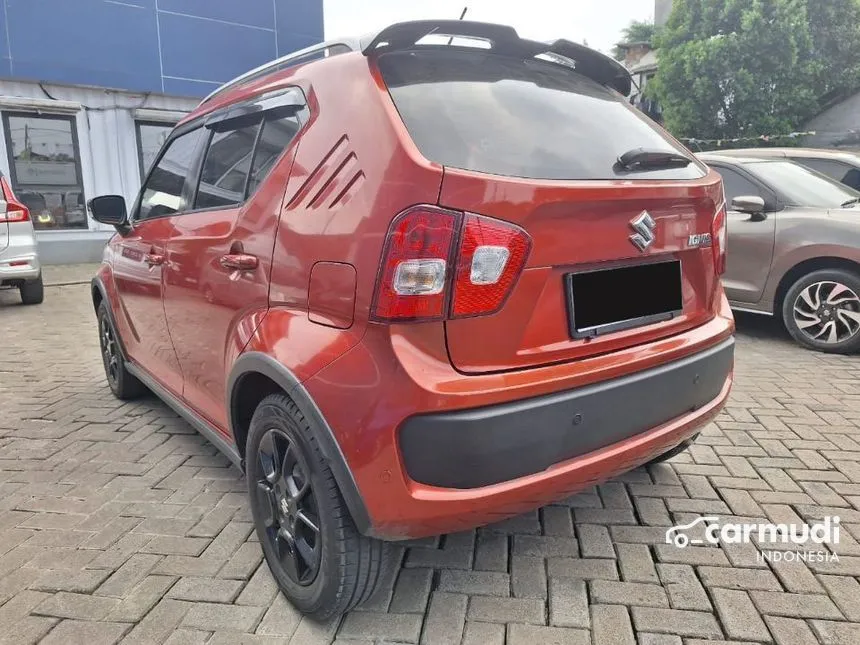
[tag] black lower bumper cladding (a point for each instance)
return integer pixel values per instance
(483, 446)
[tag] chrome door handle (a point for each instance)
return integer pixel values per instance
(239, 261)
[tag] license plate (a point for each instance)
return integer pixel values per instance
(602, 301)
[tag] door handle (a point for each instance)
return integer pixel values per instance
(239, 261)
(154, 259)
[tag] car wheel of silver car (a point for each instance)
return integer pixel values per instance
(32, 291)
(322, 564)
(822, 311)
(123, 384)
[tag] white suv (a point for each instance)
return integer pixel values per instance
(19, 257)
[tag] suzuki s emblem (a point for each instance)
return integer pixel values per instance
(644, 226)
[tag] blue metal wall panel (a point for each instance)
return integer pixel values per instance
(85, 41)
(299, 24)
(5, 60)
(259, 13)
(219, 50)
(184, 47)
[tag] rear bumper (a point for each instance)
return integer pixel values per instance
(485, 446)
(19, 264)
(373, 391)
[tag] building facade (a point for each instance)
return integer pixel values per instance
(89, 89)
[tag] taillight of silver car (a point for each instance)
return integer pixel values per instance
(15, 210)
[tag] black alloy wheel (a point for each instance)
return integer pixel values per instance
(290, 511)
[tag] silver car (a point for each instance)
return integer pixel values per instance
(19, 257)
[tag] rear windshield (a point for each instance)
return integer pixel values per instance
(518, 118)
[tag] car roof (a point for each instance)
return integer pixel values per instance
(503, 40)
(810, 153)
(709, 157)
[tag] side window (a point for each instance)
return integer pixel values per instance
(852, 179)
(226, 167)
(736, 185)
(834, 169)
(163, 191)
(276, 137)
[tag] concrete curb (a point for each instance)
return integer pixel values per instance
(66, 284)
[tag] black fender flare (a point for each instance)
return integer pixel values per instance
(259, 363)
(96, 284)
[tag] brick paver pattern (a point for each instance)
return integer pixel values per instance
(118, 522)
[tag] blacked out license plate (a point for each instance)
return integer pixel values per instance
(602, 301)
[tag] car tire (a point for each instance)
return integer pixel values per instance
(123, 384)
(32, 291)
(677, 450)
(821, 311)
(323, 572)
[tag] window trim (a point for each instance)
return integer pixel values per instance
(76, 147)
(196, 170)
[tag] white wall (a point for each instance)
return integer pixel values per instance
(107, 141)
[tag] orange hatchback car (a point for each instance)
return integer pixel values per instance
(419, 283)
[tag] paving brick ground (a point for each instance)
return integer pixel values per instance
(119, 522)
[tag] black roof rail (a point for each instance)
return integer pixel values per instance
(505, 40)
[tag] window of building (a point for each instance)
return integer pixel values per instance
(150, 139)
(165, 189)
(44, 159)
(225, 170)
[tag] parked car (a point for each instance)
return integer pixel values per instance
(473, 281)
(794, 248)
(19, 256)
(841, 165)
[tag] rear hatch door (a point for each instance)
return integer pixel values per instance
(620, 254)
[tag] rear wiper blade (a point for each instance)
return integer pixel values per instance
(851, 202)
(643, 159)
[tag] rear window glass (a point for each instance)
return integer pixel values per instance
(533, 119)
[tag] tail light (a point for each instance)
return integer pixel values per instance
(440, 264)
(15, 210)
(492, 256)
(718, 237)
(413, 277)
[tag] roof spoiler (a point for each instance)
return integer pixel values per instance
(406, 35)
(504, 40)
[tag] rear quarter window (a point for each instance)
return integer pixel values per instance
(519, 118)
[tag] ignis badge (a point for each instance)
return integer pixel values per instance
(699, 240)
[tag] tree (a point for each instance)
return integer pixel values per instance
(835, 63)
(635, 32)
(731, 68)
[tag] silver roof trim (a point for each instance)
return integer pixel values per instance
(352, 43)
